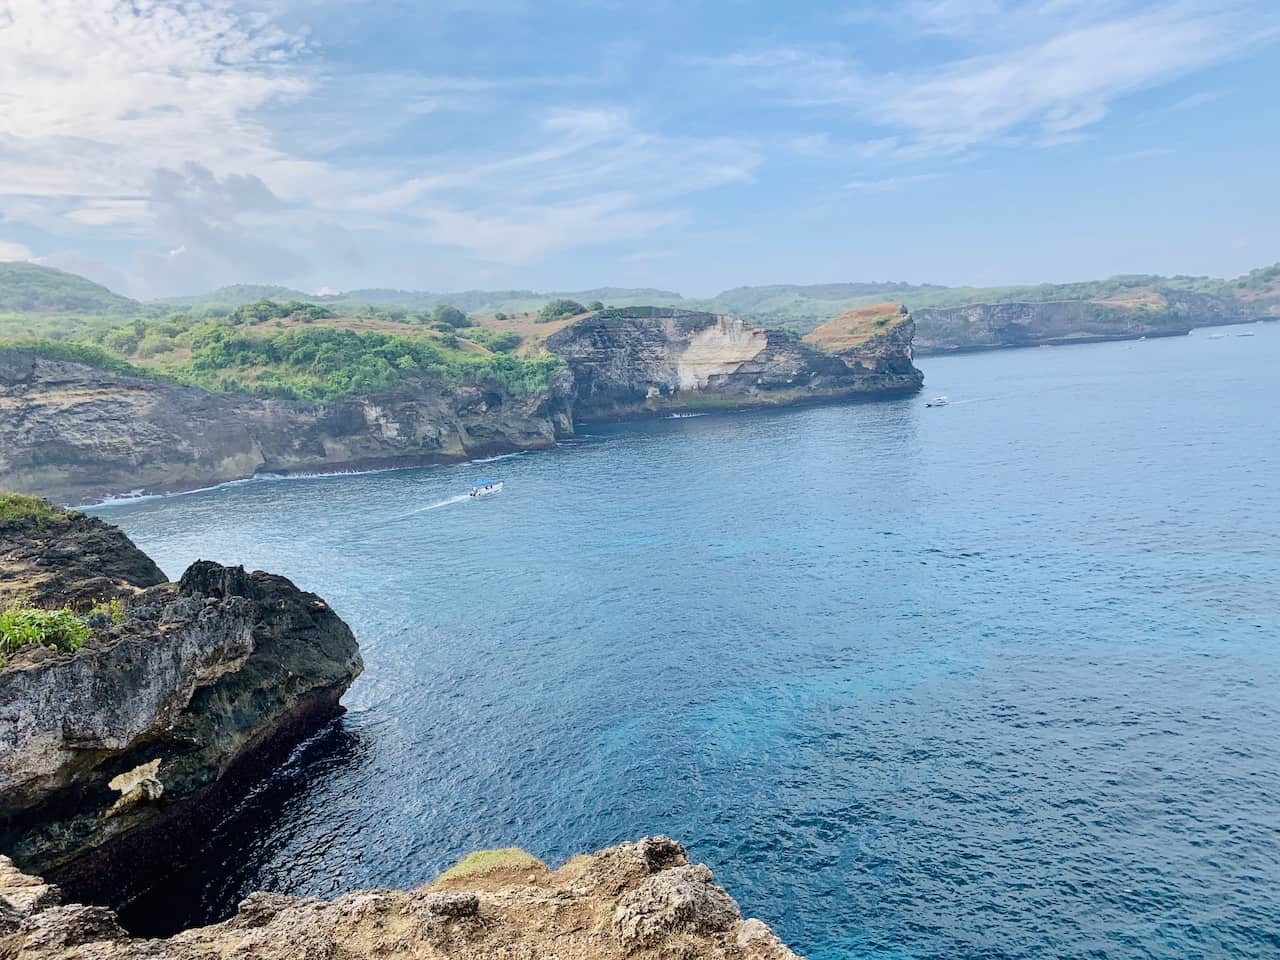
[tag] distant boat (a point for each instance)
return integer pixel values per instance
(1247, 333)
(937, 402)
(1217, 336)
(486, 487)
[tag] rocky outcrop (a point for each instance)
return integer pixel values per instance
(70, 560)
(990, 326)
(647, 360)
(114, 756)
(77, 434)
(637, 899)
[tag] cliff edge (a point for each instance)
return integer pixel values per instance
(642, 899)
(76, 433)
(646, 360)
(119, 743)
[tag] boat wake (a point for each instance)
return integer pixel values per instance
(447, 501)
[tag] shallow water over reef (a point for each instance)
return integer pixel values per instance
(992, 680)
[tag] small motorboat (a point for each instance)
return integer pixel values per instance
(937, 402)
(486, 487)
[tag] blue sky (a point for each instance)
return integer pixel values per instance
(166, 147)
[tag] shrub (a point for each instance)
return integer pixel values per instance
(22, 625)
(559, 308)
(595, 305)
(111, 611)
(19, 506)
(449, 316)
(500, 316)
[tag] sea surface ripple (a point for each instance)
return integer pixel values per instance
(995, 680)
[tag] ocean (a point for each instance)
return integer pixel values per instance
(992, 680)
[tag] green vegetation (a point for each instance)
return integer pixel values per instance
(505, 341)
(22, 625)
(112, 611)
(19, 506)
(260, 349)
(449, 316)
(490, 861)
(556, 309)
(31, 288)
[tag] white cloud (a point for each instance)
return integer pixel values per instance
(888, 184)
(9, 250)
(126, 86)
(1049, 76)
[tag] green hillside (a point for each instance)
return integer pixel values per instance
(28, 288)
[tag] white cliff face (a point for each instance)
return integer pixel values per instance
(717, 351)
(647, 360)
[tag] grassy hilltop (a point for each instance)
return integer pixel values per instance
(275, 341)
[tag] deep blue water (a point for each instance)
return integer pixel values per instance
(993, 680)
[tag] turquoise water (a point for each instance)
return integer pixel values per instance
(992, 680)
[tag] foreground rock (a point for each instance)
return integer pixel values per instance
(113, 757)
(646, 360)
(639, 899)
(77, 434)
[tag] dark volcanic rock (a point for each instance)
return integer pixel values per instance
(74, 433)
(648, 360)
(73, 560)
(112, 758)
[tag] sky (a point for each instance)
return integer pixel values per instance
(166, 147)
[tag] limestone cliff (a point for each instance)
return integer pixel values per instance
(646, 360)
(113, 755)
(76, 434)
(640, 899)
(989, 326)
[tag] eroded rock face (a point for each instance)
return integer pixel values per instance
(989, 326)
(639, 899)
(76, 434)
(638, 361)
(117, 753)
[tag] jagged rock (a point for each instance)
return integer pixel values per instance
(73, 560)
(667, 909)
(678, 900)
(22, 894)
(451, 904)
(114, 757)
(58, 928)
(645, 360)
(75, 433)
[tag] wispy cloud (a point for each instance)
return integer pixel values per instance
(888, 184)
(1044, 83)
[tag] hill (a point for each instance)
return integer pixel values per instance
(28, 288)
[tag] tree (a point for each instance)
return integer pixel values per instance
(559, 308)
(452, 316)
(595, 305)
(500, 316)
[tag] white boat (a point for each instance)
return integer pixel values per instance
(1247, 333)
(937, 402)
(486, 487)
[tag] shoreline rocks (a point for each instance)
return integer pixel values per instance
(636, 899)
(117, 755)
